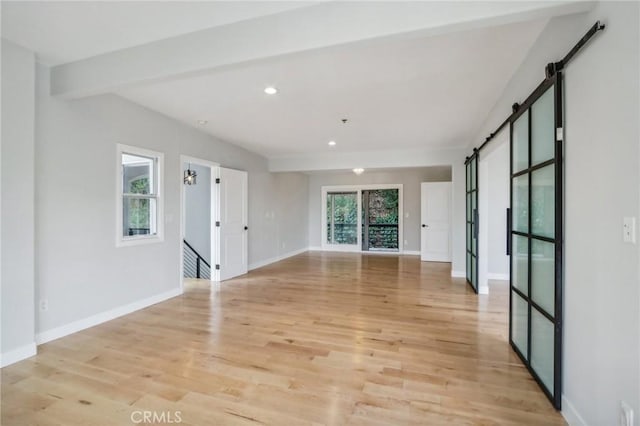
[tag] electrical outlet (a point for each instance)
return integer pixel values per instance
(626, 414)
(44, 305)
(406, 243)
(629, 230)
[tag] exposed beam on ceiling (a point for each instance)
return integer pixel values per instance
(367, 160)
(314, 27)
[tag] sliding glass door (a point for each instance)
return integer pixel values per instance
(362, 218)
(342, 219)
(472, 223)
(380, 224)
(535, 330)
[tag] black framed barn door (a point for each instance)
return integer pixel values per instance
(472, 223)
(534, 224)
(535, 326)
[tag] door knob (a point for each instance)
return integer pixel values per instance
(425, 226)
(246, 227)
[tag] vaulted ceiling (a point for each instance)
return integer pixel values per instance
(407, 76)
(400, 93)
(68, 31)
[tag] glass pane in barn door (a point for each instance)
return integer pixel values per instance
(472, 220)
(542, 129)
(536, 234)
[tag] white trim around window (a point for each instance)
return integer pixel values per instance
(155, 196)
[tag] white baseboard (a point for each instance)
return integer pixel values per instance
(18, 354)
(570, 413)
(404, 252)
(458, 274)
(65, 330)
(498, 277)
(483, 289)
(266, 262)
(379, 253)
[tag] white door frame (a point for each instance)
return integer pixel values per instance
(215, 211)
(358, 189)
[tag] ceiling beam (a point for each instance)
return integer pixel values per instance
(369, 160)
(307, 28)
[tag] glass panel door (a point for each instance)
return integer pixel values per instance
(342, 218)
(380, 220)
(472, 223)
(536, 236)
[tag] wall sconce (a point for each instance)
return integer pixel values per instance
(190, 176)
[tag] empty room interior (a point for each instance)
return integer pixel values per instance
(320, 212)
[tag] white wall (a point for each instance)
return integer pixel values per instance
(483, 227)
(459, 234)
(494, 200)
(409, 178)
(280, 227)
(498, 191)
(197, 221)
(602, 285)
(80, 271)
(17, 206)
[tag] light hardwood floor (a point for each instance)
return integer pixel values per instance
(320, 338)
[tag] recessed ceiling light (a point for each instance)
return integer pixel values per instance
(358, 171)
(270, 90)
(332, 143)
(202, 122)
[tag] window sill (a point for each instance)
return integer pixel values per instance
(138, 241)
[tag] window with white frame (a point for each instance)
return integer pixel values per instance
(139, 198)
(362, 217)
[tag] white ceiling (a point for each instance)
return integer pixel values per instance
(398, 93)
(67, 31)
(433, 170)
(419, 76)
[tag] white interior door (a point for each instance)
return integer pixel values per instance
(435, 212)
(233, 223)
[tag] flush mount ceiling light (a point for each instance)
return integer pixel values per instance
(270, 90)
(190, 176)
(202, 122)
(358, 171)
(332, 143)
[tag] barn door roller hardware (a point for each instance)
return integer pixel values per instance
(553, 67)
(550, 70)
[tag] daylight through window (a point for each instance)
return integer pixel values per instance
(139, 196)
